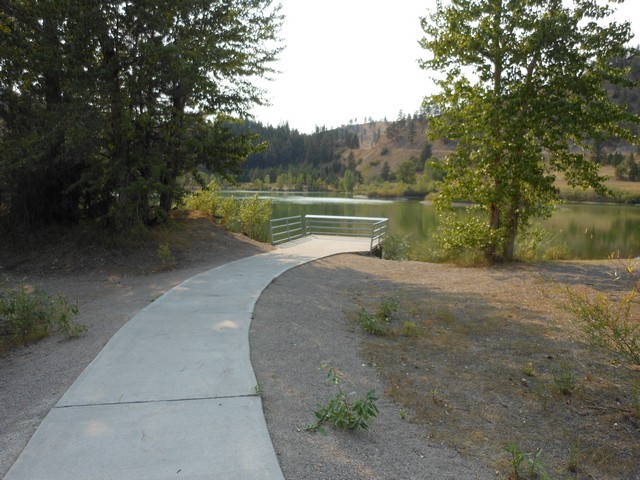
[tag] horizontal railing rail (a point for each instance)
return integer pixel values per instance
(286, 229)
(292, 228)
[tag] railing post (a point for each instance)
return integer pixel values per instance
(373, 229)
(271, 230)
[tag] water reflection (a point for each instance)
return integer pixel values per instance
(590, 231)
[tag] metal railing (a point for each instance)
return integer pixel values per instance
(292, 228)
(286, 229)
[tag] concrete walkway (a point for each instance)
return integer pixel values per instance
(173, 394)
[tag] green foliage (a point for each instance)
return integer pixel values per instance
(573, 462)
(628, 169)
(607, 323)
(464, 239)
(378, 323)
(536, 243)
(248, 215)
(164, 254)
(506, 69)
(517, 456)
(532, 460)
(105, 106)
(228, 212)
(433, 170)
(349, 181)
(395, 247)
(564, 379)
(343, 413)
(406, 172)
(205, 200)
(409, 329)
(529, 369)
(27, 314)
(254, 215)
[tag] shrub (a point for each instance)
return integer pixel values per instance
(464, 239)
(227, 211)
(607, 323)
(254, 215)
(29, 314)
(395, 247)
(205, 200)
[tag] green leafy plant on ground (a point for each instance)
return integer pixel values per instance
(164, 254)
(532, 460)
(342, 413)
(515, 459)
(378, 322)
(28, 314)
(564, 379)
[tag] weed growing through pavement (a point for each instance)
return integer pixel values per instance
(341, 412)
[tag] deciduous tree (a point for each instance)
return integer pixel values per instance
(521, 92)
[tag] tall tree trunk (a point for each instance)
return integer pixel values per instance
(120, 164)
(172, 170)
(495, 223)
(510, 238)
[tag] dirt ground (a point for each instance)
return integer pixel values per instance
(474, 358)
(471, 363)
(109, 285)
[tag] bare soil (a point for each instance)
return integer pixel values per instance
(475, 360)
(109, 285)
(471, 363)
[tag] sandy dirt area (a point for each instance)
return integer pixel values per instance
(466, 367)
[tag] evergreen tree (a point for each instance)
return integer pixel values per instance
(385, 175)
(105, 105)
(406, 172)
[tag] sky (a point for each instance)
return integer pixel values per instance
(351, 60)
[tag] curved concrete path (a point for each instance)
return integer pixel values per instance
(173, 394)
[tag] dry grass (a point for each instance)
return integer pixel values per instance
(619, 186)
(495, 361)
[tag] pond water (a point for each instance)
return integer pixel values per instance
(591, 231)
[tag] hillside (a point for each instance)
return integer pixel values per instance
(319, 161)
(376, 147)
